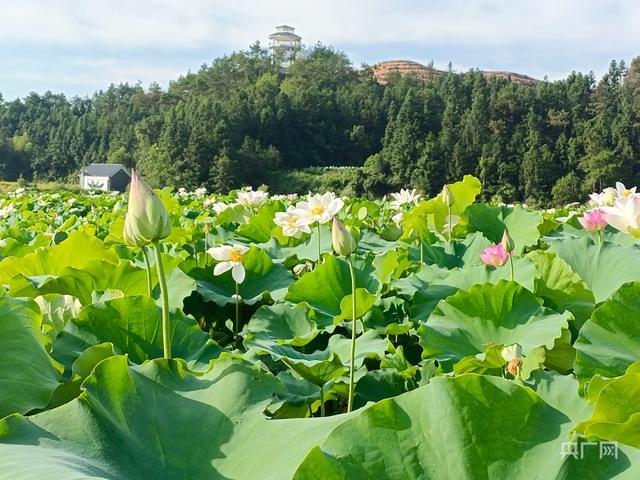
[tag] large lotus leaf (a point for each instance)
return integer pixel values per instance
(610, 341)
(160, 421)
(28, 375)
(263, 278)
(468, 427)
(76, 251)
(616, 416)
(466, 323)
(521, 224)
(284, 323)
(133, 325)
(604, 268)
(324, 288)
(560, 287)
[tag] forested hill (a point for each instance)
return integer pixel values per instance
(241, 121)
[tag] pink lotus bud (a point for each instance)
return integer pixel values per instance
(495, 256)
(147, 220)
(593, 220)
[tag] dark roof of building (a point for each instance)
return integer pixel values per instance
(104, 169)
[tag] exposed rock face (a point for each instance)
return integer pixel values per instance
(407, 67)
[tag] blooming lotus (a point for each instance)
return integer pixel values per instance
(495, 255)
(229, 258)
(593, 220)
(404, 197)
(200, 192)
(292, 224)
(182, 192)
(624, 215)
(252, 198)
(147, 220)
(343, 242)
(319, 208)
(624, 192)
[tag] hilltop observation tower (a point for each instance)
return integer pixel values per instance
(284, 42)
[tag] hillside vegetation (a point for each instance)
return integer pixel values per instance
(241, 121)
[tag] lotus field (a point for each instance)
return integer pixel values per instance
(181, 335)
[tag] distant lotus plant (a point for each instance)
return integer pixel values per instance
(147, 222)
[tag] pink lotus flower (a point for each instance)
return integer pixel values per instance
(495, 256)
(593, 220)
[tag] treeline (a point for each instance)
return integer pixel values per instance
(242, 121)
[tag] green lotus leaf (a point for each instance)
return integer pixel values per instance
(560, 287)
(610, 341)
(504, 313)
(214, 420)
(28, 375)
(433, 433)
(616, 416)
(284, 323)
(604, 268)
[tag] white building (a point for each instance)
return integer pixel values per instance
(284, 42)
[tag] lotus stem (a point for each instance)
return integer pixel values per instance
(164, 293)
(146, 262)
(421, 251)
(511, 265)
(237, 323)
(450, 232)
(319, 248)
(322, 412)
(353, 334)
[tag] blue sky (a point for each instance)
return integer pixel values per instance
(79, 46)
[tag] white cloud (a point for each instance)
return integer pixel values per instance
(90, 43)
(594, 24)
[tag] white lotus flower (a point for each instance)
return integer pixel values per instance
(292, 224)
(623, 192)
(624, 215)
(200, 192)
(229, 258)
(398, 218)
(404, 197)
(319, 208)
(250, 198)
(182, 192)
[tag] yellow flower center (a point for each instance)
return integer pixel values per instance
(318, 210)
(236, 255)
(625, 193)
(292, 221)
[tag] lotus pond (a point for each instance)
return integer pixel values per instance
(410, 338)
